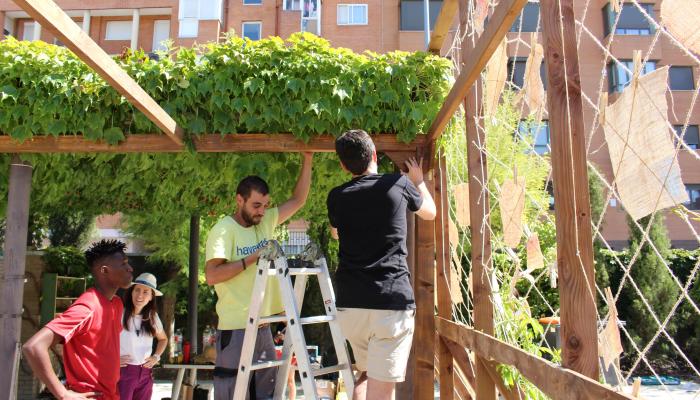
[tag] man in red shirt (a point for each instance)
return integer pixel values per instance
(89, 330)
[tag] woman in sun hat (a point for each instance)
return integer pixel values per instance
(140, 325)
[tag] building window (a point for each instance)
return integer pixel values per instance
(619, 74)
(292, 5)
(516, 73)
(28, 33)
(631, 22)
(528, 19)
(295, 243)
(694, 196)
(537, 133)
(352, 14)
(161, 33)
(681, 78)
(412, 14)
(691, 136)
(118, 30)
(252, 30)
(189, 28)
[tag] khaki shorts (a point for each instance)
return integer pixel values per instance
(380, 340)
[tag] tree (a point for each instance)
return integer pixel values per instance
(597, 199)
(654, 281)
(69, 228)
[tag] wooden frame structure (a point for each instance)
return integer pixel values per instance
(459, 373)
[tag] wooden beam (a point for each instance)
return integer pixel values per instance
(508, 393)
(463, 386)
(555, 381)
(424, 336)
(499, 24)
(17, 222)
(444, 299)
(49, 15)
(442, 25)
(570, 176)
(480, 234)
(210, 143)
(464, 363)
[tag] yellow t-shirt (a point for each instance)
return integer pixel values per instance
(231, 241)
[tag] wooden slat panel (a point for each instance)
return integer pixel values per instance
(12, 285)
(552, 379)
(211, 143)
(51, 17)
(570, 176)
(442, 25)
(499, 24)
(444, 299)
(424, 336)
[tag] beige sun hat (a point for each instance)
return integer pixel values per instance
(149, 280)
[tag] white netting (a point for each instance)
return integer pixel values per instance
(655, 290)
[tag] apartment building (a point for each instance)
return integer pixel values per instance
(633, 32)
(386, 25)
(377, 25)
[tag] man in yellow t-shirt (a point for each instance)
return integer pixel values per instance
(233, 248)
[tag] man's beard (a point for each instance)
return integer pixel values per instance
(249, 219)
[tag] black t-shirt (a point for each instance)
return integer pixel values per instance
(370, 215)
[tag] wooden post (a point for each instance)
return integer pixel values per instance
(404, 390)
(16, 226)
(193, 292)
(481, 237)
(424, 336)
(444, 300)
(571, 198)
(479, 217)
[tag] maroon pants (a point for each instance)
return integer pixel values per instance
(135, 383)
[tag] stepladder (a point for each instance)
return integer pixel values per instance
(273, 264)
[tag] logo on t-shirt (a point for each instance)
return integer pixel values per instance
(248, 250)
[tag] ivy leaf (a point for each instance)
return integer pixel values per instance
(388, 96)
(295, 84)
(56, 127)
(113, 135)
(22, 133)
(252, 85)
(340, 93)
(197, 125)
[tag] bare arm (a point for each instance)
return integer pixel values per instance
(334, 233)
(301, 191)
(427, 209)
(219, 270)
(36, 351)
(162, 342)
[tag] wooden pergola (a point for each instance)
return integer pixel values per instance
(437, 337)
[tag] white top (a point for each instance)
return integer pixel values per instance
(135, 343)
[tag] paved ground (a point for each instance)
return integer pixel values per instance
(684, 391)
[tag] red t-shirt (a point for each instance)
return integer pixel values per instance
(90, 328)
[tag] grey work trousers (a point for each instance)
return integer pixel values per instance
(229, 344)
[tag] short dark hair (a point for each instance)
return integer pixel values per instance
(355, 148)
(250, 183)
(103, 248)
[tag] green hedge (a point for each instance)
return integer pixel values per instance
(301, 85)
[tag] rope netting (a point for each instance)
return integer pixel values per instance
(639, 78)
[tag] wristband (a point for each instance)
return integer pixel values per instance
(243, 263)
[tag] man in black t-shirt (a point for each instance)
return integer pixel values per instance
(376, 307)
